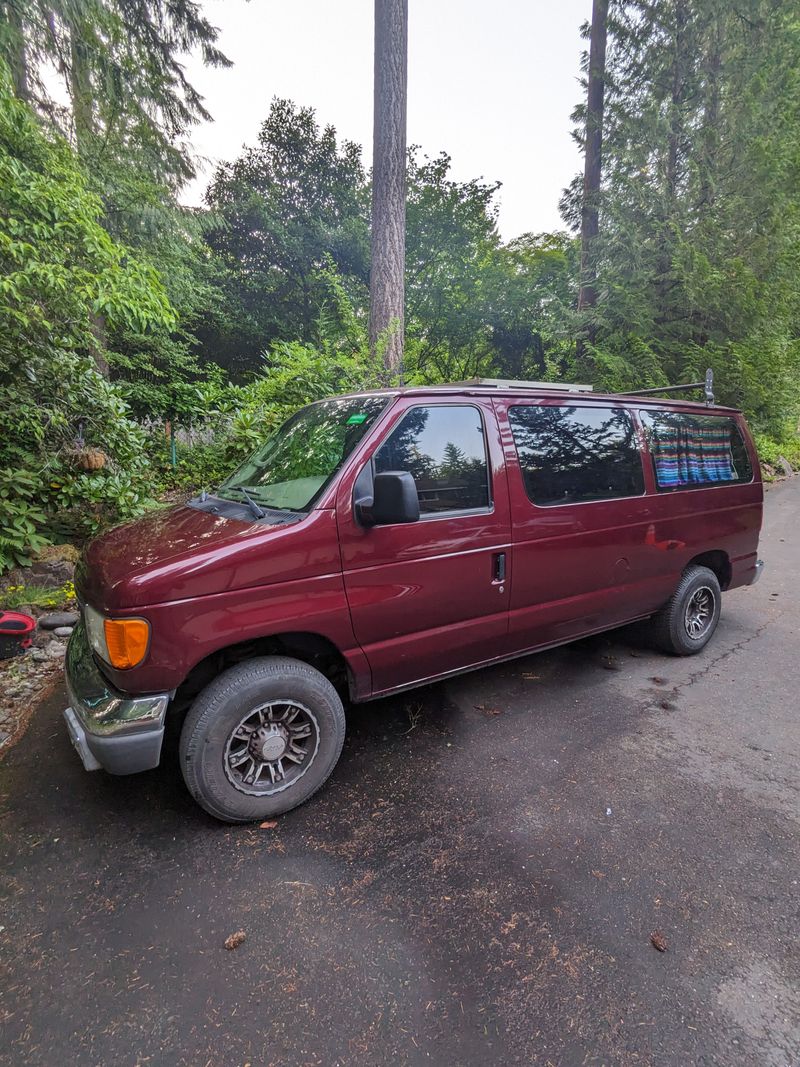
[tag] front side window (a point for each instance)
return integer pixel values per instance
(694, 450)
(443, 448)
(295, 464)
(571, 455)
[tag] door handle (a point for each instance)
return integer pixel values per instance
(499, 567)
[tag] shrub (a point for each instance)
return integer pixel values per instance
(63, 280)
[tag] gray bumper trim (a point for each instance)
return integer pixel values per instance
(123, 754)
(77, 736)
(758, 570)
(108, 729)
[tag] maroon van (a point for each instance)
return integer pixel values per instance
(387, 539)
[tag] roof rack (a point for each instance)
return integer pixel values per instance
(511, 383)
(707, 386)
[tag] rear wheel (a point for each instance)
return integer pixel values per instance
(687, 622)
(261, 739)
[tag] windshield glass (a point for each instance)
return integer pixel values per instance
(292, 468)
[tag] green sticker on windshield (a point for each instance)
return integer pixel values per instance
(355, 420)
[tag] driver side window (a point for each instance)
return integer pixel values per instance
(444, 449)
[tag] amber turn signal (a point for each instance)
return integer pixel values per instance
(126, 641)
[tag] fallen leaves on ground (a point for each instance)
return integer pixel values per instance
(235, 940)
(657, 940)
(484, 709)
(269, 824)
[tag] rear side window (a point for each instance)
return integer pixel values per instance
(444, 449)
(695, 450)
(570, 455)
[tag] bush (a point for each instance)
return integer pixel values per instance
(786, 445)
(237, 419)
(21, 518)
(63, 281)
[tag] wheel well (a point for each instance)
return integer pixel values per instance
(311, 648)
(718, 562)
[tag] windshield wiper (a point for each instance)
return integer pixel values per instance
(256, 510)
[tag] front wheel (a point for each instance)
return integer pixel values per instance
(686, 623)
(261, 739)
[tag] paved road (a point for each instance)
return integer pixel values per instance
(477, 885)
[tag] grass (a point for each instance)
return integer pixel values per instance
(37, 596)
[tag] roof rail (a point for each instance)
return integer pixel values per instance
(511, 383)
(707, 386)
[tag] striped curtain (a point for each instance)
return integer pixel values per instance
(692, 452)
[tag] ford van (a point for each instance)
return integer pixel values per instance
(388, 539)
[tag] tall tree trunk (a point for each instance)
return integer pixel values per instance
(387, 271)
(592, 170)
(678, 85)
(710, 137)
(681, 80)
(80, 91)
(80, 88)
(18, 60)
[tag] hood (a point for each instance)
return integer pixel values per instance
(183, 552)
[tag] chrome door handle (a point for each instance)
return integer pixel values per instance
(499, 567)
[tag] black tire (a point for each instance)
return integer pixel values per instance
(222, 727)
(673, 629)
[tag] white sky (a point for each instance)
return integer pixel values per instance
(492, 82)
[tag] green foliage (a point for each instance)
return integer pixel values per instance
(231, 421)
(785, 446)
(699, 252)
(21, 518)
(296, 207)
(282, 211)
(61, 275)
(122, 65)
(14, 597)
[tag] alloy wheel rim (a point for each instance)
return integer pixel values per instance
(271, 748)
(699, 612)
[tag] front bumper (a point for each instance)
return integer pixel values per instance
(758, 570)
(108, 729)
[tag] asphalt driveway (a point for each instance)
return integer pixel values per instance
(478, 884)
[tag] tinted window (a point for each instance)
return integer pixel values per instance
(569, 454)
(693, 450)
(443, 448)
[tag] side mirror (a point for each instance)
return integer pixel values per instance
(394, 500)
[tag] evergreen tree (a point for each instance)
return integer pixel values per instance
(700, 201)
(121, 64)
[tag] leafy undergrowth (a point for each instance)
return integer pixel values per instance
(16, 597)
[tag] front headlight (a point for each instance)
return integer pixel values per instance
(122, 643)
(93, 621)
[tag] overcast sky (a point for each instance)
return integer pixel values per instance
(492, 82)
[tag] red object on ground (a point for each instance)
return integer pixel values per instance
(16, 632)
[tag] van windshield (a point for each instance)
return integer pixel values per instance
(290, 470)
